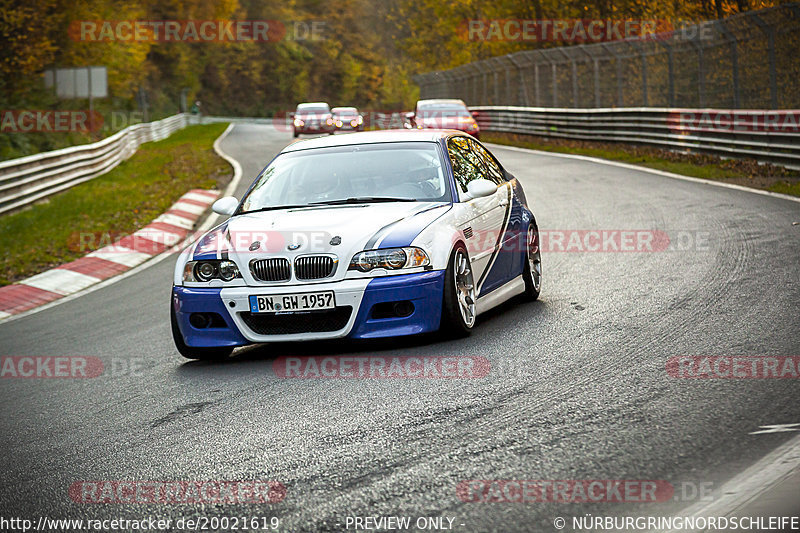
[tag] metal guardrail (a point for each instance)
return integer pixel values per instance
(766, 136)
(27, 179)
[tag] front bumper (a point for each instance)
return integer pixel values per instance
(355, 315)
(316, 128)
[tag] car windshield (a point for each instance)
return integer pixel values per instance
(443, 110)
(313, 111)
(403, 171)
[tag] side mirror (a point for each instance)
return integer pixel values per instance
(475, 114)
(291, 114)
(409, 116)
(480, 188)
(225, 206)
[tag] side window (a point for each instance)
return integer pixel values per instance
(465, 163)
(493, 170)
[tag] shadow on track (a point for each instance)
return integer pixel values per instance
(260, 357)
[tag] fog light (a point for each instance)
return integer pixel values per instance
(404, 308)
(199, 320)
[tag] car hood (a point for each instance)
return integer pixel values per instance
(339, 230)
(445, 122)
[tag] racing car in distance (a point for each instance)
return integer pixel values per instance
(347, 119)
(443, 113)
(373, 234)
(313, 117)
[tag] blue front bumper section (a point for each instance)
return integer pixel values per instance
(423, 290)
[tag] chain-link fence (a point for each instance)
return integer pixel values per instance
(747, 61)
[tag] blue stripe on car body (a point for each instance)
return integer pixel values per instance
(404, 232)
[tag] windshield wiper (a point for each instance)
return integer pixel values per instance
(356, 200)
(364, 200)
(273, 208)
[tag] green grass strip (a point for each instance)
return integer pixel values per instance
(118, 203)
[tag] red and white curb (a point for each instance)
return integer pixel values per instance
(164, 232)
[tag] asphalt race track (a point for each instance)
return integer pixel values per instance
(578, 387)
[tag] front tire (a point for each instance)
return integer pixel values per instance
(532, 271)
(189, 352)
(458, 305)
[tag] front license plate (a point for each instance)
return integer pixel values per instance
(282, 303)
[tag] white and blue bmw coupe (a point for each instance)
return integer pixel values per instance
(363, 235)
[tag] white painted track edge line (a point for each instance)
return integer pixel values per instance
(209, 222)
(751, 483)
(648, 170)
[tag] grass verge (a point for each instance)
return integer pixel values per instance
(741, 172)
(115, 204)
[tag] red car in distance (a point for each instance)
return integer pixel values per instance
(443, 114)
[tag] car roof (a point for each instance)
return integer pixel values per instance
(435, 101)
(371, 137)
(312, 104)
(344, 109)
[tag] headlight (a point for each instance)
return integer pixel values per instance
(227, 270)
(329, 121)
(354, 123)
(390, 258)
(207, 270)
(298, 123)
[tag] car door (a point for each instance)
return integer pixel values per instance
(484, 217)
(508, 264)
